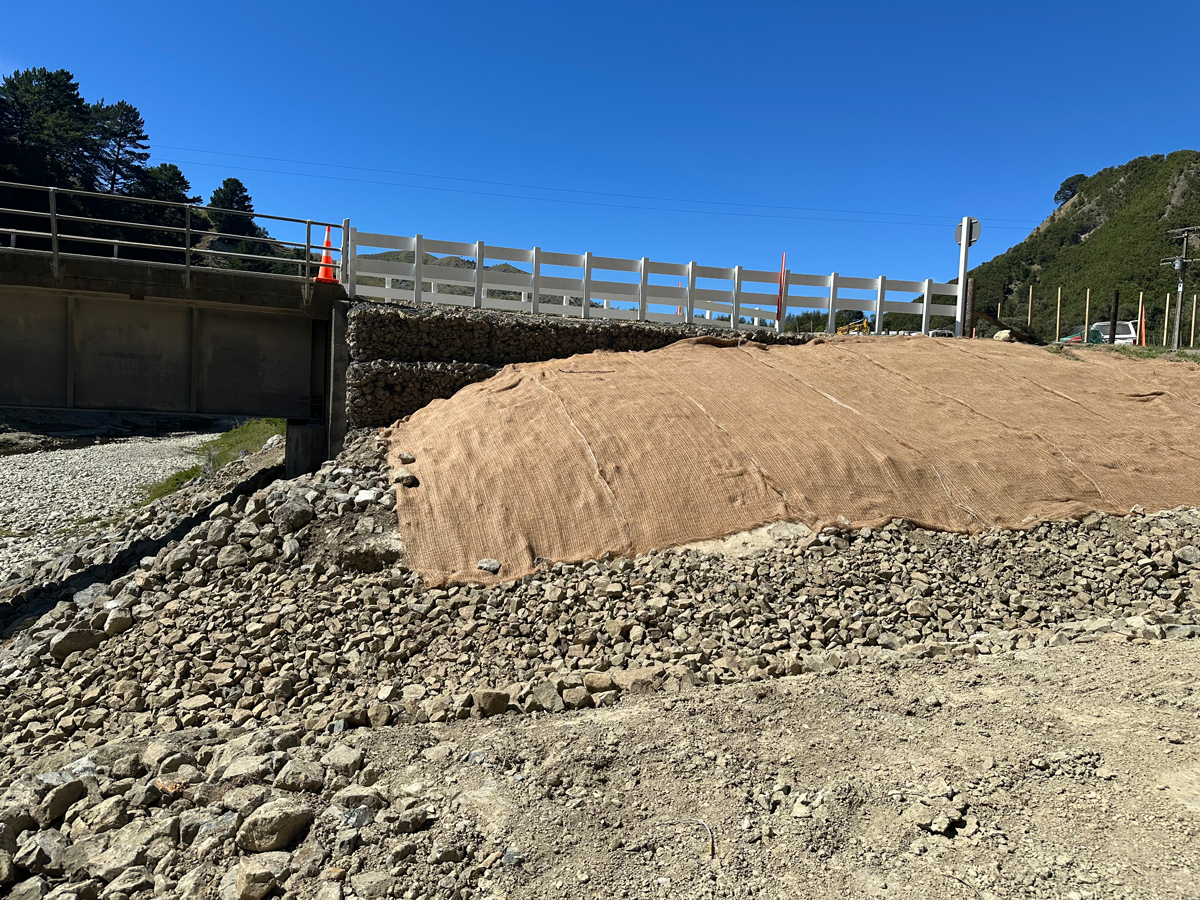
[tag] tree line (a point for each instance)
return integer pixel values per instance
(51, 136)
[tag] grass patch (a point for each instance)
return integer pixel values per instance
(217, 452)
(1154, 353)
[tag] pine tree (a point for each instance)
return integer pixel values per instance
(47, 131)
(232, 194)
(122, 148)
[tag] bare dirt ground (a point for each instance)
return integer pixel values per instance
(1058, 772)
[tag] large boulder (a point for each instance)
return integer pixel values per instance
(273, 826)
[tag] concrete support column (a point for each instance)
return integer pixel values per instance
(305, 446)
(339, 362)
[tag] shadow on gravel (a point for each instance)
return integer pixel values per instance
(22, 603)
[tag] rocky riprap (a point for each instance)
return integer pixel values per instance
(181, 721)
(403, 357)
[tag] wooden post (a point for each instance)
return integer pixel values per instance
(691, 293)
(643, 289)
(1087, 316)
(535, 293)
(1141, 335)
(479, 289)
(1058, 317)
(1192, 342)
(880, 293)
(1166, 317)
(1029, 315)
(587, 285)
(925, 301)
(831, 322)
(737, 298)
(969, 312)
(418, 257)
(1112, 319)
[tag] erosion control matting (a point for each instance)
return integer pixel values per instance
(622, 452)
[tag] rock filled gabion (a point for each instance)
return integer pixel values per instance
(383, 391)
(468, 342)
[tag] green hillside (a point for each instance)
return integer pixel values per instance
(1111, 234)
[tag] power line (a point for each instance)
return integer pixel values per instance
(704, 212)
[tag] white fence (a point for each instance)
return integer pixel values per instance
(545, 288)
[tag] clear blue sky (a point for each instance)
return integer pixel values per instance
(852, 136)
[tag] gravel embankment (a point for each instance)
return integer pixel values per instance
(46, 494)
(268, 700)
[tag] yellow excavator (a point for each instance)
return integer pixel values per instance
(862, 326)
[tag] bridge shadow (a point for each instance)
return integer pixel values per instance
(25, 606)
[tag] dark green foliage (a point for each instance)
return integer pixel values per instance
(47, 131)
(121, 145)
(1068, 189)
(165, 181)
(232, 194)
(1110, 236)
(50, 136)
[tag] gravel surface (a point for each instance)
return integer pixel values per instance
(45, 495)
(240, 691)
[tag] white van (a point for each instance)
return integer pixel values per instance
(1126, 332)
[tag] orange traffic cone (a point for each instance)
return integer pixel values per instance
(326, 273)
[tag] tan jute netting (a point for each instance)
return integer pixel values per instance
(622, 452)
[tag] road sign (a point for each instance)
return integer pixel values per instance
(975, 229)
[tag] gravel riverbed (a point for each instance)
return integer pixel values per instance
(45, 495)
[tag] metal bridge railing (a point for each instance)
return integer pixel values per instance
(75, 223)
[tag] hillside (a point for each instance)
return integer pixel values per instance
(1110, 235)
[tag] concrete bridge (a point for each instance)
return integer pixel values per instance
(84, 332)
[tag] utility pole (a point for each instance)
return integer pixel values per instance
(1179, 264)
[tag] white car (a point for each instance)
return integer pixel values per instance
(941, 332)
(1126, 332)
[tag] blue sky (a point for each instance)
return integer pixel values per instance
(851, 136)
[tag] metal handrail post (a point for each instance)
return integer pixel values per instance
(54, 228)
(187, 248)
(308, 250)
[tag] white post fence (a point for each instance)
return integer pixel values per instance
(636, 300)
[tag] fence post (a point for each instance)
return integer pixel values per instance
(880, 291)
(1166, 318)
(1141, 320)
(479, 252)
(968, 323)
(925, 301)
(586, 303)
(54, 229)
(1192, 342)
(1058, 316)
(352, 262)
(1112, 319)
(344, 269)
(418, 257)
(787, 287)
(1029, 313)
(187, 248)
(535, 293)
(737, 298)
(308, 250)
(831, 322)
(644, 275)
(691, 293)
(1087, 315)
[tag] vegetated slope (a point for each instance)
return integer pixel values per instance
(1111, 235)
